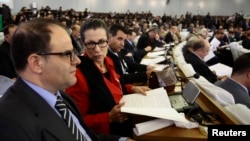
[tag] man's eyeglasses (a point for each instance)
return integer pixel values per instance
(100, 43)
(70, 53)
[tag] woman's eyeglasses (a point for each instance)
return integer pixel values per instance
(92, 44)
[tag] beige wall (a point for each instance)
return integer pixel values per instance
(157, 7)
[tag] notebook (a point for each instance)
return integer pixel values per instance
(186, 100)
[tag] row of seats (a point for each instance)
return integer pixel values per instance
(219, 96)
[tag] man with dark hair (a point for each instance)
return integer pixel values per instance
(7, 67)
(239, 83)
(129, 51)
(6, 13)
(75, 38)
(147, 40)
(130, 72)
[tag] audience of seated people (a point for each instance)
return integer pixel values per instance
(239, 82)
(98, 90)
(101, 83)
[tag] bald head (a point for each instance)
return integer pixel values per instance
(199, 46)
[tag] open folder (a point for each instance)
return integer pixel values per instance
(155, 104)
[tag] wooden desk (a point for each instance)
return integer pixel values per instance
(207, 104)
(171, 133)
(174, 133)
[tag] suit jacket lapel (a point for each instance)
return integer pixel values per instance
(45, 115)
(74, 109)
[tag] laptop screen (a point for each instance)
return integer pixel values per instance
(190, 92)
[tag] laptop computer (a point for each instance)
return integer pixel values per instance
(186, 100)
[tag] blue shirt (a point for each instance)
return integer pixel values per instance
(51, 100)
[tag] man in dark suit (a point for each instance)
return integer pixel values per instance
(238, 84)
(131, 73)
(170, 36)
(7, 67)
(129, 52)
(46, 63)
(148, 41)
(75, 38)
(196, 50)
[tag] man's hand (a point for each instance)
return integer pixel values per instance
(148, 48)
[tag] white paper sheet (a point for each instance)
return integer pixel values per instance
(221, 69)
(150, 126)
(148, 61)
(155, 54)
(155, 104)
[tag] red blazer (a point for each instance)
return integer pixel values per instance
(80, 93)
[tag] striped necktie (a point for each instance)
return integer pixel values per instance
(64, 111)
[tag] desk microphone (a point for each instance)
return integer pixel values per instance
(196, 76)
(182, 79)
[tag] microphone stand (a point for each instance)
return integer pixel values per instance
(181, 79)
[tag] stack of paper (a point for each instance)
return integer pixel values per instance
(221, 69)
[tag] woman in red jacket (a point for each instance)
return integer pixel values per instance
(98, 89)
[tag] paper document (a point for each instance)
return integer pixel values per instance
(213, 47)
(221, 69)
(159, 48)
(147, 61)
(155, 54)
(155, 104)
(159, 67)
(209, 56)
(156, 124)
(214, 44)
(152, 125)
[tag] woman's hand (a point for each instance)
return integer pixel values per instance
(115, 114)
(140, 89)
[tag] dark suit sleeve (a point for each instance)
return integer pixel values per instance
(135, 77)
(168, 38)
(136, 67)
(143, 42)
(10, 132)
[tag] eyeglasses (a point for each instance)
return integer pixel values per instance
(70, 53)
(100, 43)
